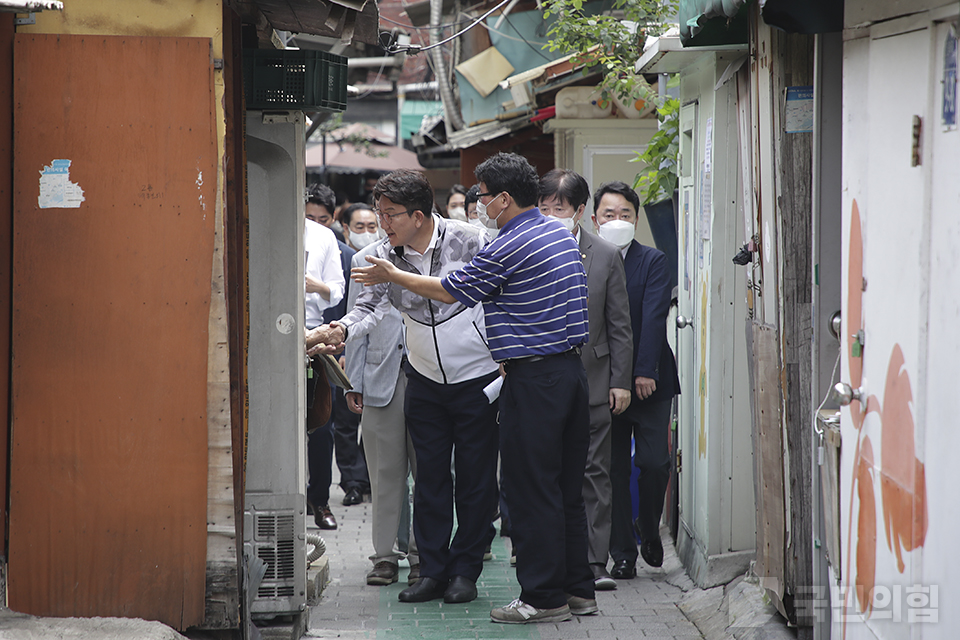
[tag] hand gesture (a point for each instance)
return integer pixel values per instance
(379, 272)
(327, 338)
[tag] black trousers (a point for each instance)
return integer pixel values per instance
(346, 441)
(544, 437)
(649, 425)
(444, 420)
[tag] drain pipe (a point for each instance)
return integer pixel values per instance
(319, 547)
(451, 115)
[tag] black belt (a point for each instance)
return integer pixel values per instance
(529, 359)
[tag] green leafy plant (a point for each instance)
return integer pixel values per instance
(659, 181)
(613, 42)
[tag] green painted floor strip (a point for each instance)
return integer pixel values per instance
(437, 620)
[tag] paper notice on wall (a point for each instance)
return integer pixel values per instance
(706, 203)
(948, 106)
(799, 111)
(708, 147)
(56, 190)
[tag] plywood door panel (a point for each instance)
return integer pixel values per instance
(6, 247)
(111, 301)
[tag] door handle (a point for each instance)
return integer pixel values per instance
(844, 394)
(683, 322)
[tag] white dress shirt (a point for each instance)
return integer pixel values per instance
(322, 262)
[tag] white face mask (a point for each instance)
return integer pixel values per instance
(485, 220)
(569, 223)
(490, 232)
(618, 232)
(457, 213)
(360, 240)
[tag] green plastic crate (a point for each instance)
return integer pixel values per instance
(291, 79)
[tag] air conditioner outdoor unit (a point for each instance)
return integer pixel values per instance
(274, 532)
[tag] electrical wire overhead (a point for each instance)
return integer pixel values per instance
(390, 45)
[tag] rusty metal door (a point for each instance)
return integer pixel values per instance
(114, 174)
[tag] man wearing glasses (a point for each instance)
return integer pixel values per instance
(533, 288)
(449, 365)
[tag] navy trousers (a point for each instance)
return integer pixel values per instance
(346, 442)
(444, 420)
(320, 464)
(544, 437)
(649, 425)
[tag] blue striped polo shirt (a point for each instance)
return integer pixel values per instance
(531, 282)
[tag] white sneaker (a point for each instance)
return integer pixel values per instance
(519, 612)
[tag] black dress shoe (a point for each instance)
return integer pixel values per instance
(602, 581)
(460, 589)
(624, 570)
(652, 552)
(425, 590)
(324, 517)
(353, 497)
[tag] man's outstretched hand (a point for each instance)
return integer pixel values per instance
(327, 338)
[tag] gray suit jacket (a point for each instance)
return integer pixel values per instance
(374, 360)
(608, 355)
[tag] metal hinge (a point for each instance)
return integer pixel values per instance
(679, 460)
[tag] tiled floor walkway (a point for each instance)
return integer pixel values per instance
(644, 607)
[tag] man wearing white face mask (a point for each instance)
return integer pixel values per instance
(360, 226)
(471, 201)
(655, 383)
(606, 356)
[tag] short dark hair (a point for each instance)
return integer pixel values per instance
(408, 188)
(618, 187)
(567, 186)
(457, 188)
(322, 195)
(472, 195)
(511, 173)
(347, 214)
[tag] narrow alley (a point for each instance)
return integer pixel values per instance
(645, 607)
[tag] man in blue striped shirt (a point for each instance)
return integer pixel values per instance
(533, 287)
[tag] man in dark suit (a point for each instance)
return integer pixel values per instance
(647, 419)
(606, 357)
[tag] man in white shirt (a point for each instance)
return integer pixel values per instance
(448, 367)
(323, 289)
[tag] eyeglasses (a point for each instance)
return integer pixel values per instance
(489, 193)
(388, 217)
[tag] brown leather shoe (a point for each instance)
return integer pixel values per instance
(414, 574)
(324, 518)
(383, 573)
